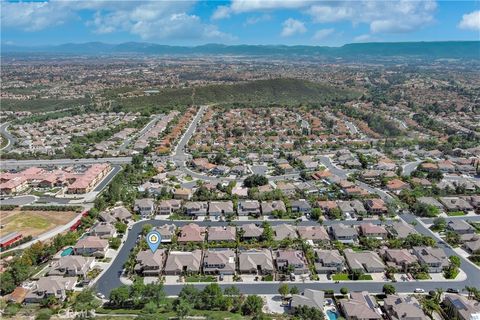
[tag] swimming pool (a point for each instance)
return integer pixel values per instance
(332, 315)
(67, 252)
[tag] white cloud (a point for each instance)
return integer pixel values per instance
(382, 16)
(385, 16)
(257, 19)
(323, 33)
(150, 20)
(292, 27)
(470, 21)
(221, 12)
(363, 38)
(33, 16)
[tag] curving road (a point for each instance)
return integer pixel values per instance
(7, 135)
(111, 278)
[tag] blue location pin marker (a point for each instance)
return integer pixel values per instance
(153, 239)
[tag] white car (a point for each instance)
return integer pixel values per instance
(419, 290)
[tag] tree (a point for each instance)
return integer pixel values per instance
(155, 292)
(388, 289)
(44, 314)
(439, 224)
(85, 301)
(211, 298)
(344, 290)
(189, 293)
(255, 180)
(7, 283)
(146, 228)
(294, 290)
(114, 243)
(252, 306)
(283, 290)
(183, 308)
(119, 296)
(150, 307)
(308, 313)
(455, 260)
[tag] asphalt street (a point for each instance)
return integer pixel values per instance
(145, 129)
(19, 164)
(111, 279)
(4, 132)
(18, 201)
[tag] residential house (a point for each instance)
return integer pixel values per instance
(396, 186)
(220, 208)
(460, 307)
(360, 306)
(196, 208)
(107, 217)
(310, 298)
(145, 207)
(403, 308)
(376, 206)
(365, 261)
(316, 234)
(284, 231)
(291, 261)
(226, 233)
(255, 262)
(220, 261)
(91, 246)
(351, 209)
(167, 207)
(371, 230)
(248, 207)
(455, 204)
(103, 230)
(270, 206)
(167, 232)
(251, 231)
(122, 214)
(191, 233)
(344, 233)
(71, 266)
(401, 259)
(401, 230)
(329, 261)
(182, 194)
(56, 286)
(183, 262)
(327, 206)
(435, 258)
(460, 227)
(431, 202)
(150, 264)
(472, 246)
(301, 206)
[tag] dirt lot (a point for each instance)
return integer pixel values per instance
(33, 223)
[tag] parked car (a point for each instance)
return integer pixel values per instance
(452, 290)
(419, 290)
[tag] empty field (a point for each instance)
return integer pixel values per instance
(33, 223)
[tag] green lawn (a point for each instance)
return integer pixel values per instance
(456, 213)
(346, 276)
(200, 278)
(340, 276)
(422, 276)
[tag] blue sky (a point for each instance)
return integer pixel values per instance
(290, 22)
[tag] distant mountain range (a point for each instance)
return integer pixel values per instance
(443, 49)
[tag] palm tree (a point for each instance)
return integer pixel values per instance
(429, 306)
(438, 295)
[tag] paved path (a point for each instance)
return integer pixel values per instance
(111, 279)
(11, 139)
